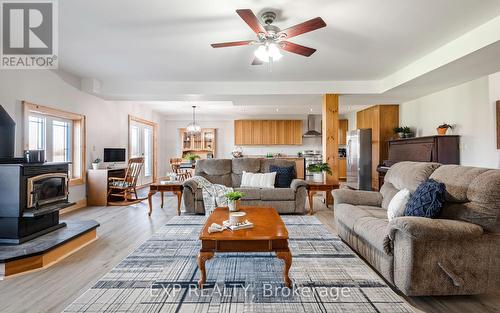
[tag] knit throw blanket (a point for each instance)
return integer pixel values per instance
(213, 194)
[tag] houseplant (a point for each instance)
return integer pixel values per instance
(95, 164)
(318, 169)
(443, 128)
(233, 200)
(192, 157)
(406, 132)
(399, 131)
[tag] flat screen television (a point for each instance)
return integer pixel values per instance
(114, 155)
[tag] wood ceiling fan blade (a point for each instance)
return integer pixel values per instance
(298, 49)
(305, 27)
(252, 20)
(257, 61)
(232, 44)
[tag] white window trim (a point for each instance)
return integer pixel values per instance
(78, 136)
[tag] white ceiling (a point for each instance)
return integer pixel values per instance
(373, 51)
(234, 106)
(160, 40)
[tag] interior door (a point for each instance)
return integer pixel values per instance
(141, 145)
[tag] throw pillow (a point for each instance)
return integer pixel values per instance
(284, 175)
(427, 200)
(397, 205)
(258, 180)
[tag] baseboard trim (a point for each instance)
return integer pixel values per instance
(78, 205)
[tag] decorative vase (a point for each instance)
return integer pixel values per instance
(442, 130)
(401, 135)
(233, 205)
(95, 166)
(318, 177)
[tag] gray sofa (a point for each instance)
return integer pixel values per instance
(228, 172)
(456, 254)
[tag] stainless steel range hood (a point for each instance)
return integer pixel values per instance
(311, 132)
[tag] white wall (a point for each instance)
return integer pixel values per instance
(107, 122)
(225, 136)
(470, 109)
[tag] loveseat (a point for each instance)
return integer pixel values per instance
(455, 254)
(228, 172)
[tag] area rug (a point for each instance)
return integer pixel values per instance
(161, 276)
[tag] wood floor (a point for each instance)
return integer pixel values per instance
(122, 230)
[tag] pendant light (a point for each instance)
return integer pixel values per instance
(193, 128)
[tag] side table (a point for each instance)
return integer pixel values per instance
(175, 188)
(314, 187)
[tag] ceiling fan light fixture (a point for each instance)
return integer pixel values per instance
(268, 52)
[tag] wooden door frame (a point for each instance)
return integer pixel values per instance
(154, 125)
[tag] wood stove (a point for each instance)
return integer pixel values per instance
(31, 196)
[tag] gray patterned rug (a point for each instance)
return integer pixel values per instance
(161, 276)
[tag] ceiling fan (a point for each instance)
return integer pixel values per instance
(271, 39)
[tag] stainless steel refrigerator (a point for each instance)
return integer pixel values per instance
(359, 159)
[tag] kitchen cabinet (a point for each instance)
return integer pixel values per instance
(343, 128)
(342, 169)
(202, 144)
(267, 132)
(381, 119)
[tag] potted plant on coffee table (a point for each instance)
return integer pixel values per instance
(443, 128)
(318, 169)
(233, 200)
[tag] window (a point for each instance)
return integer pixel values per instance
(61, 141)
(60, 134)
(36, 132)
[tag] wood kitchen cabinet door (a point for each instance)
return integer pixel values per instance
(238, 132)
(343, 128)
(288, 132)
(360, 119)
(297, 132)
(342, 169)
(268, 132)
(280, 132)
(256, 131)
(243, 132)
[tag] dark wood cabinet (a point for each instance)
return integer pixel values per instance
(439, 149)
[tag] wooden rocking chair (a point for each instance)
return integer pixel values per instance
(124, 187)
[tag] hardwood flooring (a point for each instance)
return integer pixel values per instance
(122, 230)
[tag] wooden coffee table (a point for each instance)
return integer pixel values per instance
(175, 188)
(269, 234)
